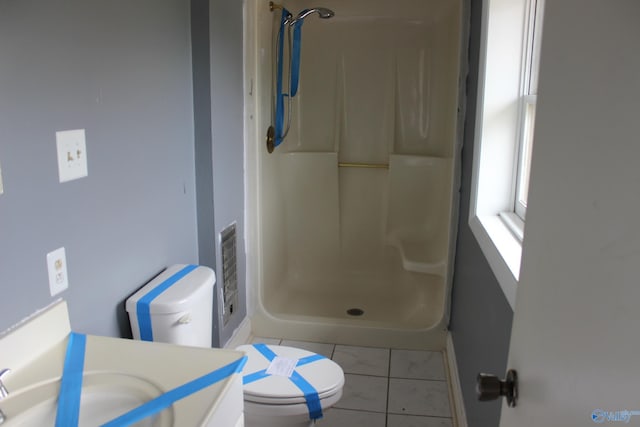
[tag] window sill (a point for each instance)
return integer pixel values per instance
(502, 250)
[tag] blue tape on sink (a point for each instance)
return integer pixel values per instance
(68, 413)
(167, 399)
(143, 306)
(310, 393)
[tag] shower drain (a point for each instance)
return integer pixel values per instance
(355, 312)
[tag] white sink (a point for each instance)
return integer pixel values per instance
(104, 397)
(118, 376)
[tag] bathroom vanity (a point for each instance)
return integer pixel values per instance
(118, 376)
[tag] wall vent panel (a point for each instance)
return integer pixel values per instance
(228, 249)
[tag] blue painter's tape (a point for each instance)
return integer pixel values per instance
(295, 58)
(258, 375)
(143, 308)
(310, 359)
(265, 351)
(68, 412)
(279, 119)
(165, 400)
(270, 355)
(247, 379)
(310, 393)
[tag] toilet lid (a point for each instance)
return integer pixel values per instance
(324, 375)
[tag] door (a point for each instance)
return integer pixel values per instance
(576, 333)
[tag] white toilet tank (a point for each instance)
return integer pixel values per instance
(175, 307)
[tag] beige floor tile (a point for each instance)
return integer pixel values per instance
(419, 397)
(413, 364)
(362, 360)
(347, 418)
(364, 393)
(320, 348)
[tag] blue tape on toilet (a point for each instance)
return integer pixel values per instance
(310, 393)
(165, 400)
(258, 375)
(143, 308)
(68, 412)
(265, 351)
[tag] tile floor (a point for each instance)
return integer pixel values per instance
(385, 387)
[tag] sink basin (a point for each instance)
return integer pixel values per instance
(119, 375)
(105, 396)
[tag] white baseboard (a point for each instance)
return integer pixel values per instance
(242, 334)
(456, 390)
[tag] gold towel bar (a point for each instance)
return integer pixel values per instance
(364, 165)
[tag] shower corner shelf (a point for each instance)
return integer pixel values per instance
(416, 258)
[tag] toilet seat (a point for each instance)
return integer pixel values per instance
(324, 375)
(298, 410)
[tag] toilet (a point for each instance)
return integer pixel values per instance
(283, 386)
(288, 387)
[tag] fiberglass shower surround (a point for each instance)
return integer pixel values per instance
(354, 209)
(288, 24)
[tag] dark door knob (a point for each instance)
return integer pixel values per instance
(489, 387)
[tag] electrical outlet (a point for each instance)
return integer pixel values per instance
(57, 267)
(72, 154)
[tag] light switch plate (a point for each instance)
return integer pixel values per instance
(72, 154)
(57, 268)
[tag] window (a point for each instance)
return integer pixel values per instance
(531, 65)
(507, 88)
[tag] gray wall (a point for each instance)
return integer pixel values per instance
(216, 29)
(121, 70)
(227, 124)
(203, 146)
(481, 316)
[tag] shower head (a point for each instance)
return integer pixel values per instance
(322, 12)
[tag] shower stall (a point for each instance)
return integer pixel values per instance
(351, 219)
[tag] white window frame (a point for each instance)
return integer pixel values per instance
(499, 118)
(528, 99)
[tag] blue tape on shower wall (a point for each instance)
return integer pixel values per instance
(68, 412)
(165, 400)
(310, 393)
(143, 308)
